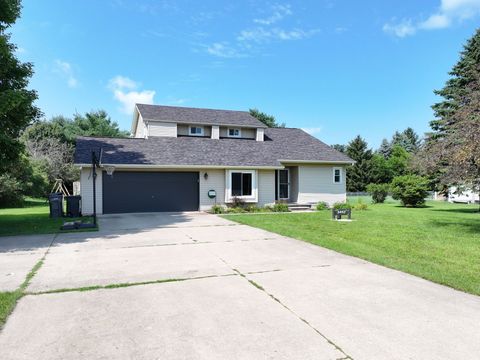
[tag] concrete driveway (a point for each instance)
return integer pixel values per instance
(196, 286)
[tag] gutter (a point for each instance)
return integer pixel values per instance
(346, 162)
(200, 167)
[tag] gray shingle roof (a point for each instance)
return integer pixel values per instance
(280, 144)
(198, 116)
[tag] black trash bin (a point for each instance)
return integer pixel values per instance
(56, 205)
(73, 205)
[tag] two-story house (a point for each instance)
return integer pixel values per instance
(187, 159)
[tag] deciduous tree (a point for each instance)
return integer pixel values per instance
(17, 109)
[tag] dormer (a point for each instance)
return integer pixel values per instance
(170, 121)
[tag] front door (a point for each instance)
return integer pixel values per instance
(283, 184)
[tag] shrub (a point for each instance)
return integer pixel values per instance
(411, 190)
(379, 192)
(238, 203)
(253, 208)
(10, 191)
(322, 206)
(340, 205)
(236, 210)
(280, 207)
(217, 209)
(360, 205)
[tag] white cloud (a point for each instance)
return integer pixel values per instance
(436, 21)
(260, 34)
(402, 29)
(278, 13)
(224, 50)
(449, 12)
(312, 130)
(125, 90)
(248, 41)
(65, 69)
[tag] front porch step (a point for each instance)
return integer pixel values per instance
(299, 207)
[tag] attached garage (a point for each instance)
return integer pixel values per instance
(129, 192)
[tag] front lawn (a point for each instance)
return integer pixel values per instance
(440, 242)
(33, 218)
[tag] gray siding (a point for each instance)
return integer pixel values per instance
(158, 128)
(86, 191)
(215, 181)
(315, 183)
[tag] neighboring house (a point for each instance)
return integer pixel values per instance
(179, 158)
(462, 196)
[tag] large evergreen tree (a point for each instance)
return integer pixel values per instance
(359, 174)
(452, 151)
(17, 109)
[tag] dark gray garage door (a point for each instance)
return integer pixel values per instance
(125, 192)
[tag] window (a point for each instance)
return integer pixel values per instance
(234, 133)
(196, 130)
(337, 175)
(241, 184)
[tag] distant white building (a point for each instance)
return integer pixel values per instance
(466, 196)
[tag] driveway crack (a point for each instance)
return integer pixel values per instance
(261, 288)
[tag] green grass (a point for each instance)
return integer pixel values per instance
(32, 218)
(440, 242)
(9, 299)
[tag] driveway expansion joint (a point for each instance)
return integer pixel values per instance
(123, 285)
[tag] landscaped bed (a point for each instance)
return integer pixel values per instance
(439, 242)
(33, 218)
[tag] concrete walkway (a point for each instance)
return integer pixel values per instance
(196, 286)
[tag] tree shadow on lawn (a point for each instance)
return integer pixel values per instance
(473, 210)
(471, 226)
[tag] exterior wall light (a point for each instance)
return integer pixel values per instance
(205, 176)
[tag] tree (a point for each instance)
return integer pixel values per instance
(268, 120)
(51, 144)
(96, 123)
(411, 140)
(452, 151)
(359, 174)
(17, 109)
(381, 171)
(385, 148)
(379, 192)
(411, 190)
(339, 147)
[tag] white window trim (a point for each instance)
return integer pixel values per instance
(228, 186)
(195, 126)
(234, 136)
(341, 175)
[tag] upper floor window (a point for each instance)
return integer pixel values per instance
(234, 133)
(337, 175)
(195, 131)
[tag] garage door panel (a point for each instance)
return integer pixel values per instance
(150, 192)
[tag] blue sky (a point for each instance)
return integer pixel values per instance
(337, 68)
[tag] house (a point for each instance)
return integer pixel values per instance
(183, 159)
(462, 195)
